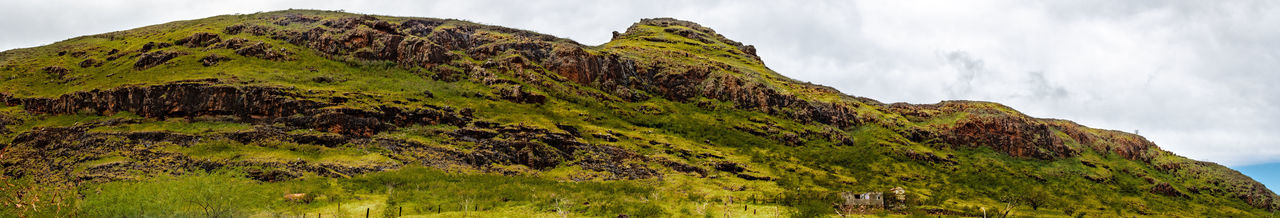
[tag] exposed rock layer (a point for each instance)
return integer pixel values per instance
(55, 150)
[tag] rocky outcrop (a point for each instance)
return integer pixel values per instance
(342, 37)
(1002, 129)
(153, 45)
(729, 167)
(213, 59)
(1131, 146)
(248, 103)
(233, 43)
(264, 51)
(697, 32)
(199, 40)
(180, 99)
(516, 94)
(271, 108)
(418, 42)
(1167, 190)
(256, 30)
(1016, 136)
(248, 48)
(713, 80)
(152, 59)
(49, 154)
(90, 62)
(56, 72)
(542, 149)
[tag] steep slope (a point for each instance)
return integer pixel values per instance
(665, 119)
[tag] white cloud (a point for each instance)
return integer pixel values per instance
(1196, 77)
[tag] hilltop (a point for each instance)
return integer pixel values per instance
(424, 116)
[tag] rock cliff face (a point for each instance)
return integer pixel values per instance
(250, 104)
(43, 151)
(425, 43)
(1018, 135)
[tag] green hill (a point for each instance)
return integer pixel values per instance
(229, 115)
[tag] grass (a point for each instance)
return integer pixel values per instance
(178, 125)
(196, 194)
(279, 151)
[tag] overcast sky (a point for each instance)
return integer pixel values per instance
(1199, 78)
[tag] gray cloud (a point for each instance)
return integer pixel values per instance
(1043, 88)
(968, 68)
(1196, 77)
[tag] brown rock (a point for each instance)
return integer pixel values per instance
(419, 27)
(199, 40)
(213, 59)
(517, 94)
(264, 51)
(233, 43)
(56, 71)
(152, 59)
(233, 29)
(1167, 190)
(90, 62)
(153, 45)
(729, 167)
(200, 98)
(1016, 136)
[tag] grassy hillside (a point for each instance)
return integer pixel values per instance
(228, 115)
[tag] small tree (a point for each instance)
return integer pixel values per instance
(1037, 197)
(1011, 200)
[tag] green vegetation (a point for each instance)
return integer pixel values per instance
(195, 194)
